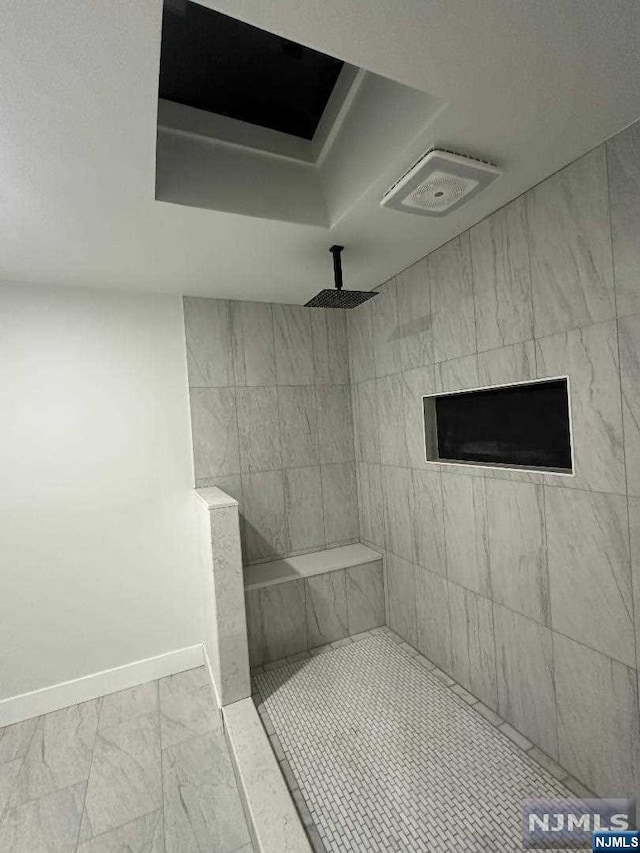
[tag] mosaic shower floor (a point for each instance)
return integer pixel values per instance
(386, 757)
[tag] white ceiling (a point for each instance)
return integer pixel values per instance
(530, 85)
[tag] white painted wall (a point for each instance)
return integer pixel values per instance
(98, 552)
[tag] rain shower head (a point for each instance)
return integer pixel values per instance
(339, 298)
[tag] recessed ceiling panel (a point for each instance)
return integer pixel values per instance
(216, 63)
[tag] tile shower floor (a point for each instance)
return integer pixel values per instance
(387, 757)
(145, 770)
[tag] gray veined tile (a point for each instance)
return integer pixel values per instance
(283, 617)
(340, 503)
(214, 426)
(125, 780)
(186, 710)
(416, 384)
(255, 634)
(623, 156)
(361, 359)
(428, 521)
(365, 597)
(589, 357)
(335, 425)
(454, 331)
(265, 523)
(330, 348)
(473, 661)
(598, 726)
(8, 775)
(59, 755)
(365, 421)
(254, 357)
(589, 568)
(634, 528)
(370, 503)
(501, 277)
(298, 425)
(515, 363)
(201, 802)
(385, 331)
(326, 603)
(526, 688)
(391, 423)
(402, 597)
(47, 825)
(517, 548)
(143, 835)
(414, 316)
(116, 708)
(629, 332)
(570, 243)
(15, 739)
(303, 508)
(208, 335)
(433, 635)
(258, 429)
(294, 345)
(457, 374)
(465, 531)
(398, 499)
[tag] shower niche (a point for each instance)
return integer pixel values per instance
(525, 426)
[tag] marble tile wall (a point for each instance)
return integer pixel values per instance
(271, 421)
(524, 587)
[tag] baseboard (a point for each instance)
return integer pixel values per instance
(27, 705)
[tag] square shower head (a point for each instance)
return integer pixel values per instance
(334, 298)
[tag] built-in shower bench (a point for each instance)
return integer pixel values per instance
(298, 603)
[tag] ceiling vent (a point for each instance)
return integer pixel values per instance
(439, 183)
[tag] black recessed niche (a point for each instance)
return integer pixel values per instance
(215, 63)
(523, 426)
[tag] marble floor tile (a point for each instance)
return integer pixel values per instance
(433, 634)
(428, 521)
(335, 424)
(298, 425)
(258, 429)
(116, 708)
(214, 426)
(570, 244)
(201, 802)
(465, 531)
(629, 333)
(623, 160)
(402, 597)
(340, 503)
(414, 316)
(208, 335)
(365, 597)
(517, 548)
(450, 278)
(526, 687)
(515, 363)
(294, 345)
(398, 499)
(391, 425)
(361, 359)
(59, 755)
(590, 572)
(125, 780)
(330, 347)
(143, 835)
(265, 522)
(473, 661)
(598, 727)
(47, 825)
(589, 357)
(303, 508)
(283, 616)
(254, 357)
(15, 739)
(501, 277)
(384, 328)
(326, 605)
(186, 711)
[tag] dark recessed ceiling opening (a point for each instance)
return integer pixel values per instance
(215, 63)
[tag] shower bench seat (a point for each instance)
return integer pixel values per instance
(298, 603)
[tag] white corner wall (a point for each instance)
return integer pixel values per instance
(99, 564)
